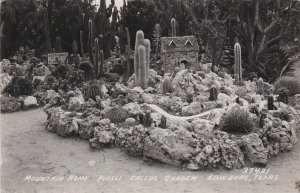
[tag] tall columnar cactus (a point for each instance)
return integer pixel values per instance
(260, 86)
(101, 63)
(173, 26)
(96, 59)
(147, 45)
(75, 51)
(127, 50)
(213, 93)
(157, 39)
(142, 81)
(90, 39)
(58, 44)
(138, 42)
(81, 44)
(238, 61)
(117, 48)
(166, 85)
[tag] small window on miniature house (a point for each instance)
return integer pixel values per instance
(188, 43)
(172, 44)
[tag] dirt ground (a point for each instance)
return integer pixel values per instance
(30, 151)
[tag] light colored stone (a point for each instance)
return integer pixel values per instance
(30, 102)
(193, 109)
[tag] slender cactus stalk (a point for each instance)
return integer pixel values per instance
(127, 50)
(58, 44)
(238, 61)
(147, 45)
(138, 42)
(96, 60)
(173, 26)
(142, 67)
(101, 63)
(91, 40)
(81, 44)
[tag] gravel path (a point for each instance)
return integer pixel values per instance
(27, 149)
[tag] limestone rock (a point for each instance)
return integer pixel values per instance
(103, 134)
(4, 81)
(87, 125)
(185, 83)
(30, 102)
(61, 122)
(231, 154)
(193, 109)
(10, 104)
(133, 109)
(40, 71)
(255, 150)
(169, 147)
(132, 139)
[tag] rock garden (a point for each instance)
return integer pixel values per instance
(196, 116)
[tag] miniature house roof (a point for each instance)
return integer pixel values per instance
(179, 44)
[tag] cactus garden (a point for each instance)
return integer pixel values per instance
(161, 83)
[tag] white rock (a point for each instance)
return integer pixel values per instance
(138, 89)
(30, 102)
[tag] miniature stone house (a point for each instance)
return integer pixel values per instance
(179, 52)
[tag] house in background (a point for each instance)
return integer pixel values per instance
(179, 51)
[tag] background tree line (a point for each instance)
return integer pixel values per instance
(266, 29)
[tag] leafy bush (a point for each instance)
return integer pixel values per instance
(237, 120)
(289, 82)
(19, 86)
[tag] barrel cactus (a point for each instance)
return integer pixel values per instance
(260, 86)
(166, 85)
(93, 91)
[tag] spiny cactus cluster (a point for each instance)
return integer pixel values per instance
(238, 61)
(141, 60)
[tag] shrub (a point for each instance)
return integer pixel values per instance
(19, 86)
(237, 120)
(289, 82)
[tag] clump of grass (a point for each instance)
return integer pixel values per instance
(290, 83)
(237, 120)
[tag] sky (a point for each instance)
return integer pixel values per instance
(119, 3)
